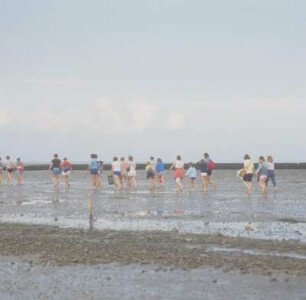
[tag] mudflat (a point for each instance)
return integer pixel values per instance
(48, 245)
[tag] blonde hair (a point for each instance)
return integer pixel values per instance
(270, 159)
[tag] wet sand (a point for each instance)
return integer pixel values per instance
(228, 210)
(142, 245)
(66, 247)
(25, 280)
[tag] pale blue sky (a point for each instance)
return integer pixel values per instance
(157, 77)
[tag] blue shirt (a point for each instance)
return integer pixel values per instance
(94, 164)
(262, 169)
(191, 172)
(160, 167)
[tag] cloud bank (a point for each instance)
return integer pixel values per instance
(103, 116)
(227, 128)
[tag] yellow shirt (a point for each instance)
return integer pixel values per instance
(249, 166)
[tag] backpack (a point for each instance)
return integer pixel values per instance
(211, 165)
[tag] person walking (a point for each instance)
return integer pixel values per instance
(131, 173)
(20, 171)
(248, 171)
(262, 173)
(66, 172)
(116, 171)
(271, 172)
(192, 175)
(160, 172)
(210, 167)
(55, 168)
(178, 167)
(10, 168)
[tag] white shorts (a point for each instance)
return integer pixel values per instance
(204, 174)
(131, 174)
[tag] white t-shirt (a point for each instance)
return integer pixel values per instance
(270, 166)
(179, 164)
(153, 165)
(116, 165)
(132, 166)
(9, 164)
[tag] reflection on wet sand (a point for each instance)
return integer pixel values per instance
(90, 212)
(227, 210)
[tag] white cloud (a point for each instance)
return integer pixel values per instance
(142, 115)
(5, 118)
(226, 128)
(176, 121)
(124, 116)
(104, 116)
(58, 82)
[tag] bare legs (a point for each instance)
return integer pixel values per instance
(210, 182)
(20, 177)
(67, 184)
(95, 182)
(204, 183)
(178, 185)
(132, 182)
(192, 185)
(160, 180)
(152, 184)
(55, 179)
(248, 186)
(124, 180)
(262, 184)
(117, 180)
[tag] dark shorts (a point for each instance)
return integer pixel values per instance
(150, 175)
(192, 178)
(94, 172)
(10, 170)
(248, 177)
(117, 173)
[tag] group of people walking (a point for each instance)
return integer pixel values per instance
(10, 169)
(265, 173)
(57, 167)
(124, 170)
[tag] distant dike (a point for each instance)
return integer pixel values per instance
(141, 166)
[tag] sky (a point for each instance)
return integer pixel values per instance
(153, 77)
